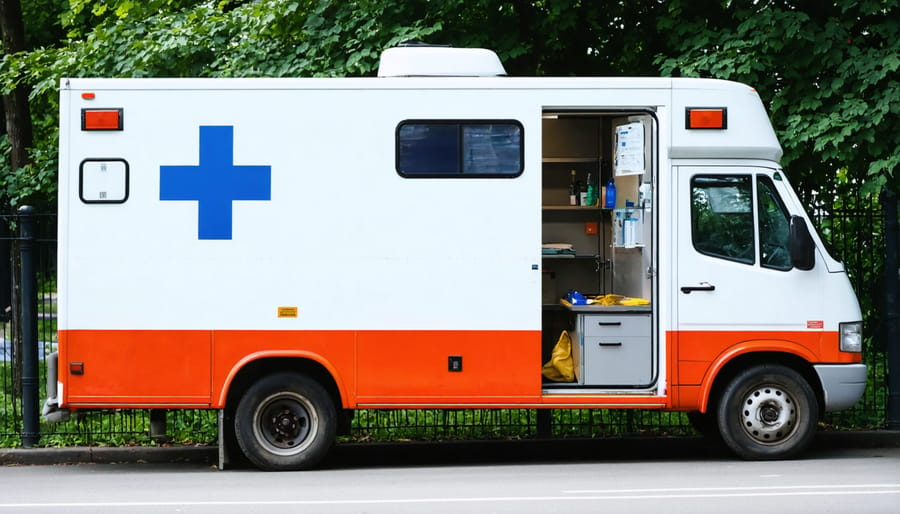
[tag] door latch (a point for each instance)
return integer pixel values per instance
(704, 286)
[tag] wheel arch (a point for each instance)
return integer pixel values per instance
(727, 369)
(252, 368)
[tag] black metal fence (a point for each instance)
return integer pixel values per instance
(855, 233)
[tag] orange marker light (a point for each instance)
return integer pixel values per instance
(706, 118)
(88, 96)
(101, 119)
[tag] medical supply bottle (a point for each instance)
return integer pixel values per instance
(591, 194)
(573, 190)
(610, 194)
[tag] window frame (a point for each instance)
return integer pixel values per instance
(461, 124)
(770, 184)
(126, 181)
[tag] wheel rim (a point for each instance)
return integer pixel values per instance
(769, 414)
(285, 423)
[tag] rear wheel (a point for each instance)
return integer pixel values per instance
(768, 412)
(285, 421)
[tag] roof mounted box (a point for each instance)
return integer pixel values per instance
(439, 61)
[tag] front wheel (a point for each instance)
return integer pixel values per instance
(285, 421)
(768, 412)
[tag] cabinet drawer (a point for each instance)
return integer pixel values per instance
(637, 325)
(622, 361)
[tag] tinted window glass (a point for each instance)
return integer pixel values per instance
(492, 149)
(450, 148)
(428, 149)
(722, 217)
(774, 227)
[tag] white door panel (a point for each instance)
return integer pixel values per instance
(726, 281)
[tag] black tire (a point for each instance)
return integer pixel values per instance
(768, 412)
(285, 421)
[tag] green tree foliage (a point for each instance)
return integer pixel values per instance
(828, 72)
(42, 23)
(180, 38)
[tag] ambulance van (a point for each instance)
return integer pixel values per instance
(286, 251)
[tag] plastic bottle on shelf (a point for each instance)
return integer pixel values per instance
(610, 194)
(591, 195)
(573, 190)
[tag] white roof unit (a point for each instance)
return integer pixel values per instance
(439, 61)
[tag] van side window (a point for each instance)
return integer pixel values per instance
(448, 148)
(722, 217)
(774, 227)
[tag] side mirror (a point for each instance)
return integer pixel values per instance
(803, 249)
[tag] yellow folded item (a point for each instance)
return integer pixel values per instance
(561, 367)
(608, 299)
(617, 299)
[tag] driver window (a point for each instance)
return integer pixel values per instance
(722, 217)
(774, 227)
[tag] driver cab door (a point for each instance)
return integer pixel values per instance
(735, 281)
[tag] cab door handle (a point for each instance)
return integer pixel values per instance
(704, 286)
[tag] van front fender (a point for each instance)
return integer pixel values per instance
(747, 353)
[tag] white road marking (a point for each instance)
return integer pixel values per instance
(606, 494)
(738, 488)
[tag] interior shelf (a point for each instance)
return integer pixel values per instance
(580, 256)
(572, 208)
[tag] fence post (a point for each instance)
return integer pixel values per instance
(158, 425)
(544, 423)
(892, 305)
(30, 392)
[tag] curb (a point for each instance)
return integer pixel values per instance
(425, 451)
(107, 455)
(861, 439)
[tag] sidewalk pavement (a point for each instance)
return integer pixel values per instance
(444, 451)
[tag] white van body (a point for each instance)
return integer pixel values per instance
(216, 232)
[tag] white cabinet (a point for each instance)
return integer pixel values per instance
(613, 350)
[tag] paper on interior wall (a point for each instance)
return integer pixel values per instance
(630, 149)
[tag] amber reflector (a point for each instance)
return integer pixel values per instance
(101, 119)
(706, 118)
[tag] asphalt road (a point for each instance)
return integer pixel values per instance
(667, 476)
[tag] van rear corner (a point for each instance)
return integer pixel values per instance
(51, 411)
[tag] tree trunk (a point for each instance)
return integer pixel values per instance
(18, 115)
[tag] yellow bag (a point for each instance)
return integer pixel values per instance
(561, 367)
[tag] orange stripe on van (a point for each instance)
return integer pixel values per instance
(178, 368)
(391, 369)
(136, 367)
(698, 356)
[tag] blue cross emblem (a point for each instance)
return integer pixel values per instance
(216, 182)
